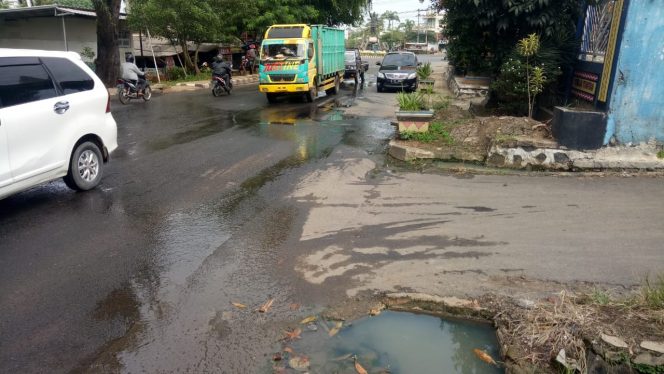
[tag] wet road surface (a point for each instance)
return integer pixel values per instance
(177, 229)
(213, 201)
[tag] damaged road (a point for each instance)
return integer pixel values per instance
(210, 204)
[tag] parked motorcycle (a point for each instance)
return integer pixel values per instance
(127, 91)
(219, 86)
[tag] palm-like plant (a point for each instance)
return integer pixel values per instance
(390, 16)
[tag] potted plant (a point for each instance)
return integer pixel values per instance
(414, 114)
(424, 75)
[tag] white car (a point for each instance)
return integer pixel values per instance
(55, 121)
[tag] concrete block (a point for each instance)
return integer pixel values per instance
(407, 153)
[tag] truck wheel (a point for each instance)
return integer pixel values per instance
(334, 90)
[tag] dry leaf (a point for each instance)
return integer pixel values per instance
(299, 363)
(289, 350)
(337, 326)
(359, 368)
(374, 312)
(238, 305)
(265, 307)
(308, 320)
(484, 356)
(294, 306)
(293, 334)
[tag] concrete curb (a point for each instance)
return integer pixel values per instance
(626, 157)
(192, 86)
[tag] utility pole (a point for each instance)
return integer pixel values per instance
(418, 23)
(418, 26)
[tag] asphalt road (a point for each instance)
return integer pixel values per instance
(210, 201)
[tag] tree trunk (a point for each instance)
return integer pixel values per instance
(198, 47)
(107, 64)
(185, 54)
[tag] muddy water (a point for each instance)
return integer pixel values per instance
(398, 342)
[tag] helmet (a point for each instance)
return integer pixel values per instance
(130, 58)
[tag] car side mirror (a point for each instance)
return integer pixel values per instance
(378, 63)
(310, 53)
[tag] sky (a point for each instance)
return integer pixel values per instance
(407, 9)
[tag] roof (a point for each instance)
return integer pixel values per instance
(163, 47)
(47, 11)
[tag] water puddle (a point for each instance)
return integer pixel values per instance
(393, 342)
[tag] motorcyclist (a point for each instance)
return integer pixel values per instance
(251, 57)
(131, 72)
(222, 69)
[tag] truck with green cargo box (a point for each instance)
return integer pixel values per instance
(301, 59)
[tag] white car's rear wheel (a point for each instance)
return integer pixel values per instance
(85, 167)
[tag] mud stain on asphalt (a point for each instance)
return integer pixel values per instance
(479, 209)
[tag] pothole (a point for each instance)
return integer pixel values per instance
(391, 342)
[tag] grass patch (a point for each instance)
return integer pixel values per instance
(600, 297)
(190, 78)
(652, 292)
(660, 154)
(438, 131)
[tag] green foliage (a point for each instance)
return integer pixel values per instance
(438, 131)
(440, 103)
(175, 73)
(424, 71)
(4, 4)
(660, 154)
(389, 16)
(652, 292)
(647, 369)
(600, 297)
(412, 101)
(87, 53)
(525, 74)
(528, 46)
(77, 4)
(482, 33)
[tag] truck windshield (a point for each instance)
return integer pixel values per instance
(283, 51)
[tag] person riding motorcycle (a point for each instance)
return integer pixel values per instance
(131, 73)
(222, 69)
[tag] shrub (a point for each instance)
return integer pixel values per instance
(175, 73)
(412, 101)
(424, 71)
(437, 132)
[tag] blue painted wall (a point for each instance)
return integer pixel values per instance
(636, 109)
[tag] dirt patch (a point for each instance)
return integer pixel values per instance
(470, 138)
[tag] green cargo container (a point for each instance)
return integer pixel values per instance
(330, 46)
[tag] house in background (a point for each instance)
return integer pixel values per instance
(53, 27)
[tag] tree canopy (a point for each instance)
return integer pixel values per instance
(482, 33)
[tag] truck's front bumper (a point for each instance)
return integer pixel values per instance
(283, 88)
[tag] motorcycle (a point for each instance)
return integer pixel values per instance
(219, 86)
(127, 91)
